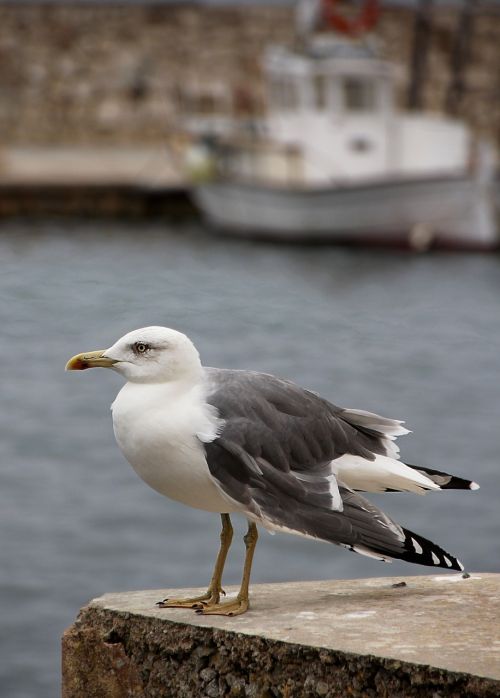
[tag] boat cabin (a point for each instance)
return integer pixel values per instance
(330, 118)
(335, 102)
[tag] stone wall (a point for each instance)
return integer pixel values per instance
(369, 638)
(90, 73)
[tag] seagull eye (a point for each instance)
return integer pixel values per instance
(141, 347)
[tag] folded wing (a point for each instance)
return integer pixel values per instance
(291, 460)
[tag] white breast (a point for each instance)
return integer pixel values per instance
(159, 429)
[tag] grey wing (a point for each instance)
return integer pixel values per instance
(285, 436)
(274, 459)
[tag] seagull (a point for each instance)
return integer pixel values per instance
(234, 441)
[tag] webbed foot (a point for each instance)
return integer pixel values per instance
(211, 597)
(235, 607)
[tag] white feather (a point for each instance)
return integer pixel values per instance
(159, 429)
(369, 553)
(391, 428)
(336, 503)
(417, 547)
(380, 474)
(388, 429)
(365, 551)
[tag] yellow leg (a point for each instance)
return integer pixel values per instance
(240, 603)
(212, 595)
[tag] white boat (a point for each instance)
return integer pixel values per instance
(334, 159)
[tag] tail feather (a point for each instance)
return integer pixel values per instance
(445, 481)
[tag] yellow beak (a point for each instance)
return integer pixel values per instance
(90, 359)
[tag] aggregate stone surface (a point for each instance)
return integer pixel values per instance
(436, 635)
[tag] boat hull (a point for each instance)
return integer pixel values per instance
(456, 211)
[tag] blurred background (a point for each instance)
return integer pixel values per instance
(107, 113)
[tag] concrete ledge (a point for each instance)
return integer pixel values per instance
(92, 181)
(437, 636)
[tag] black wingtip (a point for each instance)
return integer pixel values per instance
(460, 483)
(425, 552)
(445, 480)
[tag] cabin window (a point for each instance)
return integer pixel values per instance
(359, 94)
(320, 94)
(360, 144)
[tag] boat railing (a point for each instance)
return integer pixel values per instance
(259, 160)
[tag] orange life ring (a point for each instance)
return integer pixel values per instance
(363, 22)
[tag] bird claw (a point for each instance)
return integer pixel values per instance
(228, 608)
(196, 602)
(175, 603)
(200, 604)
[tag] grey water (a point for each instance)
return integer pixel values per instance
(411, 337)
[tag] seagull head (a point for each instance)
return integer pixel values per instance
(148, 355)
